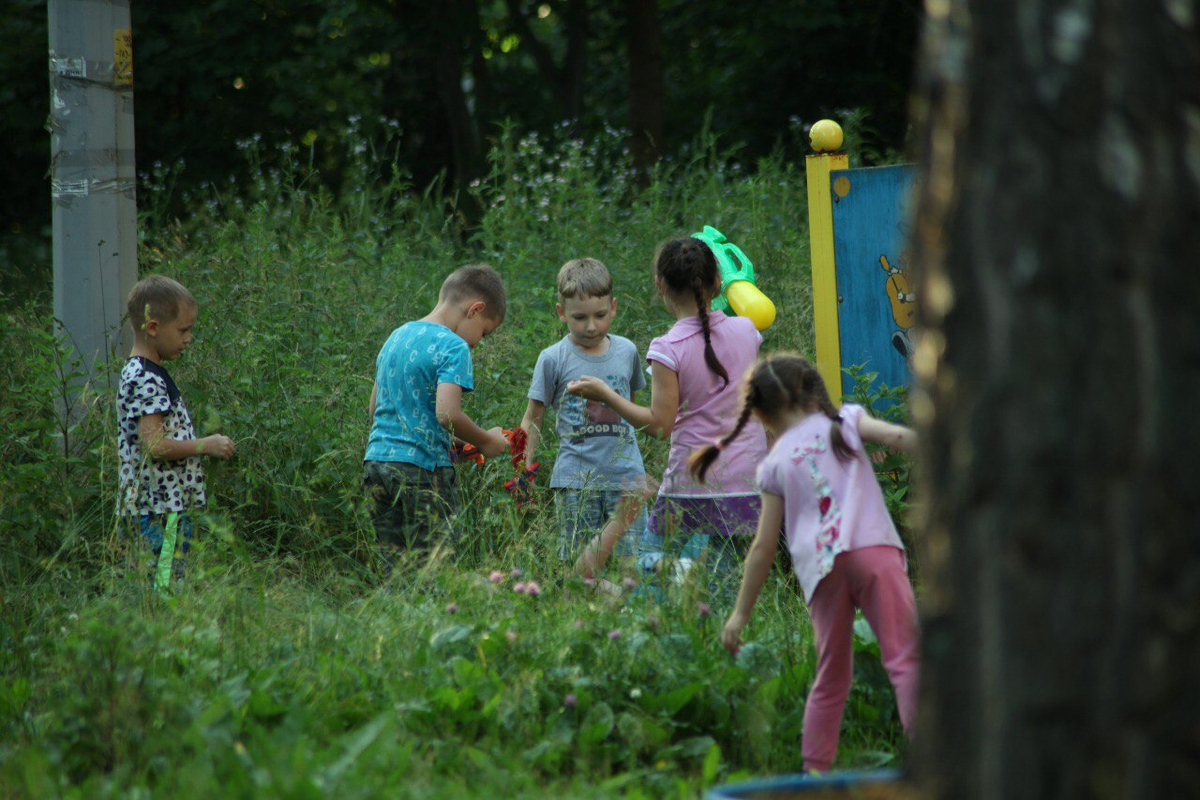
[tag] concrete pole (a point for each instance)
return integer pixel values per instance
(92, 174)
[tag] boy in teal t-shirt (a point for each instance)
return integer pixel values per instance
(416, 412)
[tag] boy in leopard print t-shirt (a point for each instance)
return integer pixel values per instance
(161, 477)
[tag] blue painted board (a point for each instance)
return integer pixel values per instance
(876, 308)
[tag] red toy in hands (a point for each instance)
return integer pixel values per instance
(521, 486)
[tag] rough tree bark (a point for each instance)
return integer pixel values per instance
(1058, 238)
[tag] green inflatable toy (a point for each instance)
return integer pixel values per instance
(739, 294)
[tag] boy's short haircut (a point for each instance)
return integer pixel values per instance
(157, 297)
(477, 282)
(584, 278)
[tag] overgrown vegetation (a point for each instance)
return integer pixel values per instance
(286, 666)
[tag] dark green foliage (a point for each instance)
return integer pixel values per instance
(311, 74)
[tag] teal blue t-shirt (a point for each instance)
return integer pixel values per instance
(413, 361)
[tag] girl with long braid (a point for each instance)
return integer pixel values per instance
(818, 484)
(692, 398)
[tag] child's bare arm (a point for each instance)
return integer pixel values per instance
(888, 434)
(535, 413)
(371, 404)
(451, 416)
(158, 446)
(758, 563)
(658, 419)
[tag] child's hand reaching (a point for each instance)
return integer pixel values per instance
(497, 444)
(731, 636)
(217, 446)
(590, 388)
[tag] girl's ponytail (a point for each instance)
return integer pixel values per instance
(703, 458)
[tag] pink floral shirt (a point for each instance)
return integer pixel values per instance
(829, 506)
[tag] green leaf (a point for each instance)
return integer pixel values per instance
(448, 636)
(696, 746)
(712, 764)
(676, 699)
(597, 725)
(355, 743)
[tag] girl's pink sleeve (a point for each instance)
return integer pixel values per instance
(660, 350)
(768, 478)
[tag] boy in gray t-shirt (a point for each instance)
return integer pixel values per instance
(598, 455)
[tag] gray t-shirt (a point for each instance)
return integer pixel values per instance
(597, 448)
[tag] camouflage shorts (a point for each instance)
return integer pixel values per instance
(411, 508)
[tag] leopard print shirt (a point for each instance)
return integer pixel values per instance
(149, 486)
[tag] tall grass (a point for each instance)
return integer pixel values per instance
(286, 666)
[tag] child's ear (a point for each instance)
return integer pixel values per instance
(150, 326)
(562, 315)
(612, 312)
(476, 308)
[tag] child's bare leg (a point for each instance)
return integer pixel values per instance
(595, 554)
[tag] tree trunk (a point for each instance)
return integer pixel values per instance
(455, 23)
(1057, 243)
(645, 86)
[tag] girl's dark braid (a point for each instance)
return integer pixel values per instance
(814, 387)
(710, 355)
(698, 266)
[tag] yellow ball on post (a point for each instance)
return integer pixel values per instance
(825, 136)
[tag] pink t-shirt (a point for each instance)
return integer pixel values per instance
(829, 506)
(707, 409)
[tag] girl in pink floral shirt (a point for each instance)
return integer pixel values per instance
(818, 484)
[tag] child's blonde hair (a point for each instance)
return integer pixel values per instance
(159, 298)
(477, 282)
(583, 278)
(775, 384)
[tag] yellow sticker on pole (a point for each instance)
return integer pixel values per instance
(123, 57)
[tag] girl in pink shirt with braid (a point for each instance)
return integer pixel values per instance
(818, 484)
(694, 369)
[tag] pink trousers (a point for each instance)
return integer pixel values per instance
(873, 579)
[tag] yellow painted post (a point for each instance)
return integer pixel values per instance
(824, 270)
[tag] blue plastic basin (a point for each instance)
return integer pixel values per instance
(786, 785)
